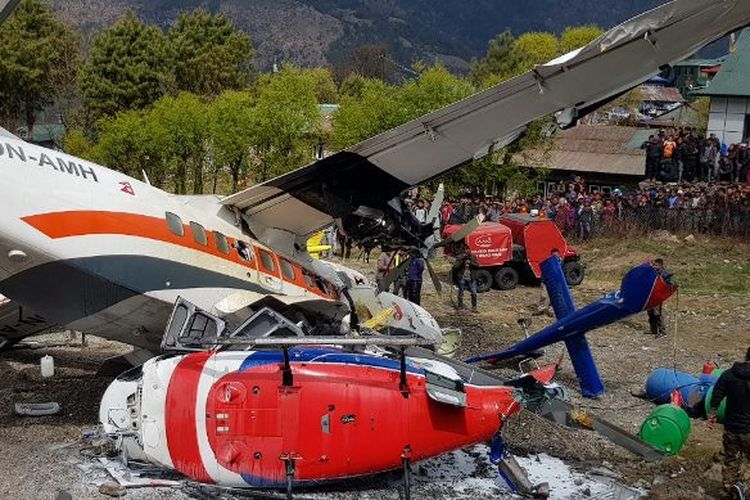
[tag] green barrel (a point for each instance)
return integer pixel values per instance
(721, 411)
(666, 429)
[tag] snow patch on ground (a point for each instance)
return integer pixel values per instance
(469, 474)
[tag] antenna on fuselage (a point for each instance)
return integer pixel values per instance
(145, 177)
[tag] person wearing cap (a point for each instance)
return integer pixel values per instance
(464, 274)
(734, 385)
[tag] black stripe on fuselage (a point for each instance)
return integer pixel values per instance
(65, 291)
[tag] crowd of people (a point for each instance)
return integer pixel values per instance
(580, 212)
(683, 155)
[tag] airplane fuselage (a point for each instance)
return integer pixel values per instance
(92, 249)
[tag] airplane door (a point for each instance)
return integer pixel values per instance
(269, 273)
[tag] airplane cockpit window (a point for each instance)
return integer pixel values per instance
(267, 260)
(221, 242)
(199, 233)
(287, 269)
(175, 224)
(243, 251)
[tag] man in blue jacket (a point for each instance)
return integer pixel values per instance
(734, 385)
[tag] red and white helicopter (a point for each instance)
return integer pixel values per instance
(90, 249)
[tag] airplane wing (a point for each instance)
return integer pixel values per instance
(369, 176)
(6, 8)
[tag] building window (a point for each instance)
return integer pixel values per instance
(175, 224)
(287, 269)
(221, 242)
(266, 258)
(199, 233)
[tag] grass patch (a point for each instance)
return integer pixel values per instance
(702, 267)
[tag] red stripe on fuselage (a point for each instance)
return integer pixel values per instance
(69, 224)
(180, 417)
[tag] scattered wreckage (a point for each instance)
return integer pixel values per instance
(274, 404)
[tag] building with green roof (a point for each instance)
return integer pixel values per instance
(729, 117)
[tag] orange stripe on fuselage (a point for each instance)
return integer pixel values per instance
(68, 224)
(89, 222)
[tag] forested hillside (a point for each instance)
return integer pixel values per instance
(319, 32)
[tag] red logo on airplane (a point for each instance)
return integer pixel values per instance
(127, 188)
(397, 312)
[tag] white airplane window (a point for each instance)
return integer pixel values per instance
(175, 224)
(221, 242)
(287, 269)
(199, 233)
(267, 259)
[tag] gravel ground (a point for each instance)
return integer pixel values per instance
(41, 456)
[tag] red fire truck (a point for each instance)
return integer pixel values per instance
(514, 248)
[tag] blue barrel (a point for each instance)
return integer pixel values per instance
(663, 381)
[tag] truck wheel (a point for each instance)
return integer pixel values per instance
(506, 278)
(573, 272)
(484, 281)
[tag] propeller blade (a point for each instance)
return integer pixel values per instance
(435, 278)
(462, 233)
(393, 275)
(437, 203)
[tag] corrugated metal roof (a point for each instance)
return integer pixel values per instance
(656, 93)
(702, 63)
(734, 77)
(601, 149)
(684, 115)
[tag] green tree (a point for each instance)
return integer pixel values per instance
(289, 121)
(76, 143)
(434, 88)
(233, 131)
(536, 48)
(361, 116)
(376, 107)
(128, 68)
(38, 58)
(500, 63)
(578, 36)
(353, 86)
(183, 123)
(326, 91)
(211, 55)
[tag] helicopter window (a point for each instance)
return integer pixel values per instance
(175, 224)
(221, 242)
(287, 270)
(267, 260)
(199, 233)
